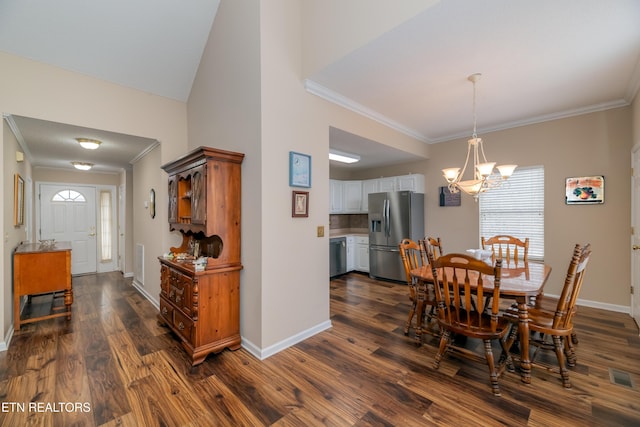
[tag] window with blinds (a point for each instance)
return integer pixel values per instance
(517, 209)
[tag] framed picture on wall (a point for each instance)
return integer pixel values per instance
(299, 170)
(18, 200)
(584, 190)
(300, 204)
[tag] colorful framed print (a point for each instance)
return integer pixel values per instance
(584, 190)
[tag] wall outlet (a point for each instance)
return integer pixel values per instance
(321, 231)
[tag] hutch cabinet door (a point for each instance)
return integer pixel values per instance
(173, 199)
(198, 195)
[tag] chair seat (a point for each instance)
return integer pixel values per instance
(479, 329)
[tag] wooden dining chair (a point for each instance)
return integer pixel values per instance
(459, 278)
(433, 245)
(507, 248)
(555, 327)
(413, 256)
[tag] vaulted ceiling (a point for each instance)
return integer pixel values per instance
(540, 60)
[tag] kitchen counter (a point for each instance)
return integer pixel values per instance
(341, 232)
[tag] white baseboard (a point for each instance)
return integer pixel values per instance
(129, 274)
(601, 305)
(145, 294)
(262, 354)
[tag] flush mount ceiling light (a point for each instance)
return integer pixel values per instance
(484, 177)
(339, 156)
(82, 165)
(89, 144)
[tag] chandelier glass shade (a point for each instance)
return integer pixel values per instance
(485, 175)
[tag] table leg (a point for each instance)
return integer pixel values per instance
(523, 327)
(68, 300)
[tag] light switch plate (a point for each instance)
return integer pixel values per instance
(321, 231)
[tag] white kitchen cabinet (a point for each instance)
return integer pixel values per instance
(362, 254)
(351, 253)
(352, 196)
(413, 182)
(368, 186)
(336, 196)
(387, 184)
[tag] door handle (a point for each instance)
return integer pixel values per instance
(635, 247)
(92, 234)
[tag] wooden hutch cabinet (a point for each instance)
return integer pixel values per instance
(202, 305)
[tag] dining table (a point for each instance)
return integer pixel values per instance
(521, 282)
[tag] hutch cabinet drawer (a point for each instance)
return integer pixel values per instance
(180, 291)
(165, 278)
(183, 325)
(166, 311)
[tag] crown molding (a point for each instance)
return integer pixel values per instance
(335, 98)
(144, 152)
(16, 132)
(540, 119)
(321, 91)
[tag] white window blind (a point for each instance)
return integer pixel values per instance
(517, 209)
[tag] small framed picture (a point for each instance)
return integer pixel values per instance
(584, 190)
(299, 170)
(300, 204)
(447, 198)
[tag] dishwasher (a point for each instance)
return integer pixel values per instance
(337, 256)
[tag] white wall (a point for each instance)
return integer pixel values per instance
(12, 235)
(150, 232)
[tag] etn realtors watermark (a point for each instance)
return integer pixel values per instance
(44, 407)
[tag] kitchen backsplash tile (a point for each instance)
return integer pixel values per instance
(352, 221)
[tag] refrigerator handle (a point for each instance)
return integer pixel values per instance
(387, 224)
(384, 217)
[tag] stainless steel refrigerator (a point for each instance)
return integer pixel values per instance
(393, 216)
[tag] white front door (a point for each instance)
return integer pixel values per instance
(68, 213)
(635, 237)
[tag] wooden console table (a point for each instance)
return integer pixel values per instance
(39, 269)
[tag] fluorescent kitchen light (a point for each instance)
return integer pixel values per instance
(339, 156)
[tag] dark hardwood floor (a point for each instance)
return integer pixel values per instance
(113, 365)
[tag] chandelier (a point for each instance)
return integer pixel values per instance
(484, 177)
